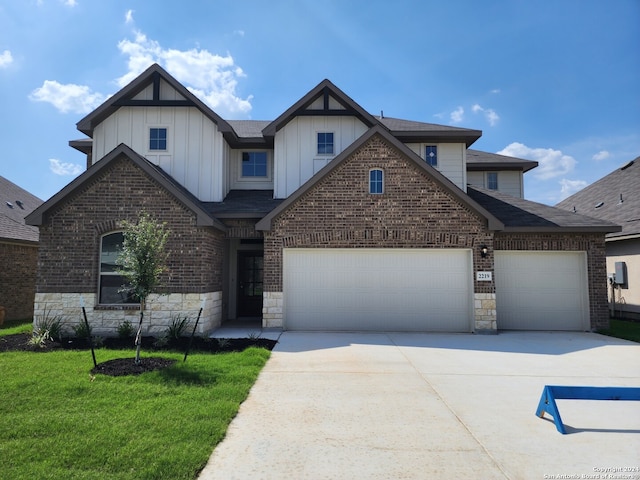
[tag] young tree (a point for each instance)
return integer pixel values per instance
(142, 260)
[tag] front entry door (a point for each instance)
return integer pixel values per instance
(250, 268)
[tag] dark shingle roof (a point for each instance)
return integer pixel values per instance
(243, 203)
(519, 214)
(477, 160)
(411, 131)
(16, 203)
(248, 128)
(623, 183)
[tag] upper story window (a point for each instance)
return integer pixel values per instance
(111, 283)
(254, 164)
(376, 181)
(492, 180)
(325, 143)
(431, 155)
(157, 139)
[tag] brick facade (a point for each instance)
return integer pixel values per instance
(71, 234)
(414, 212)
(18, 279)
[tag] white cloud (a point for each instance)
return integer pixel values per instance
(491, 116)
(457, 115)
(128, 17)
(601, 155)
(569, 187)
(495, 91)
(65, 169)
(6, 59)
(70, 3)
(551, 163)
(211, 77)
(240, 33)
(67, 98)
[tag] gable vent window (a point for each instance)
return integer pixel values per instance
(325, 143)
(157, 139)
(376, 181)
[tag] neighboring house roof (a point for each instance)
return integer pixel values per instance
(492, 222)
(16, 204)
(520, 215)
(615, 198)
(155, 172)
(477, 160)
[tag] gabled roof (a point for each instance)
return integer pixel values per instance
(410, 131)
(15, 204)
(519, 215)
(151, 76)
(492, 222)
(615, 198)
(477, 160)
(328, 91)
(153, 171)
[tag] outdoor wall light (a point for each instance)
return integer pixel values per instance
(483, 251)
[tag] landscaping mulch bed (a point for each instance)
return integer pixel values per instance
(127, 366)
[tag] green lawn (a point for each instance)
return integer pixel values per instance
(59, 422)
(625, 329)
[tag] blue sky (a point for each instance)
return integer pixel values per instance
(557, 81)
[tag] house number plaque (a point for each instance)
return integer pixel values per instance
(484, 276)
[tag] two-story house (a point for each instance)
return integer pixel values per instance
(326, 218)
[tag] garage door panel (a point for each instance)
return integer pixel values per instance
(541, 290)
(377, 289)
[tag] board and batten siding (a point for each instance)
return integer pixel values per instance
(451, 161)
(296, 158)
(509, 182)
(195, 155)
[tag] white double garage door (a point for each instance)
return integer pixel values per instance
(429, 290)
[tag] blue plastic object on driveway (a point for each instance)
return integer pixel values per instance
(551, 393)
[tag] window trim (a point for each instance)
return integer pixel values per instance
(238, 162)
(108, 274)
(166, 140)
(333, 143)
(375, 182)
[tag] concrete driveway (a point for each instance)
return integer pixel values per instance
(418, 406)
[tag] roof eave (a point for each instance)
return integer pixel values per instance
(563, 229)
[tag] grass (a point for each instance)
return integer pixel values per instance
(625, 329)
(10, 327)
(58, 422)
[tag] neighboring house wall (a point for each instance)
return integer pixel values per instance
(18, 279)
(70, 235)
(592, 244)
(338, 212)
(296, 157)
(451, 160)
(195, 154)
(627, 295)
(509, 181)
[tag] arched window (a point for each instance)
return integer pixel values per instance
(376, 181)
(111, 283)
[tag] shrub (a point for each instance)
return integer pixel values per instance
(40, 337)
(52, 324)
(178, 327)
(125, 329)
(82, 330)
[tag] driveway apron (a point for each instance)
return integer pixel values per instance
(415, 406)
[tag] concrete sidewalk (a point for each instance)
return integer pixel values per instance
(417, 406)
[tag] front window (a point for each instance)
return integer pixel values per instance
(492, 180)
(157, 139)
(325, 143)
(376, 181)
(431, 155)
(111, 283)
(254, 164)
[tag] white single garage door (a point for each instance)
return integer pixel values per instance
(377, 289)
(541, 290)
